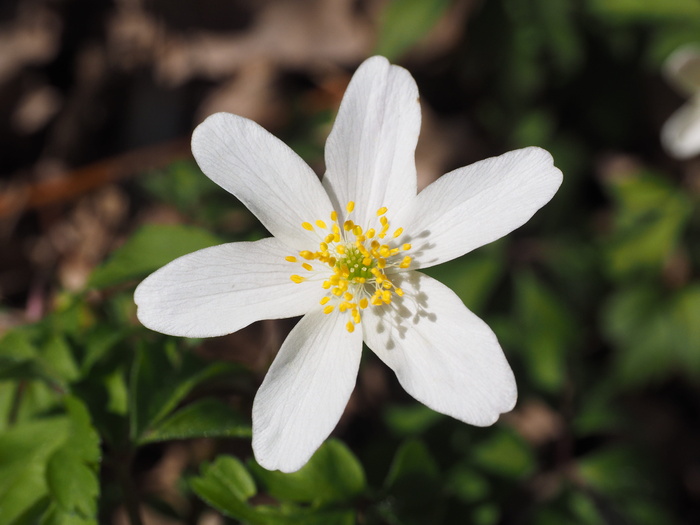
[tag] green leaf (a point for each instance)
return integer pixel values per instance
(647, 10)
(71, 471)
(59, 357)
(414, 484)
(24, 451)
(147, 250)
(404, 22)
(160, 379)
(546, 332)
(333, 474)
(650, 216)
(410, 420)
(506, 454)
(474, 276)
(226, 485)
(204, 418)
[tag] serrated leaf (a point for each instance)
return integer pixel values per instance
(333, 474)
(24, 451)
(204, 418)
(71, 471)
(147, 250)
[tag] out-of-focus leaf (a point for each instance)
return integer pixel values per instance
(410, 420)
(654, 334)
(160, 379)
(404, 22)
(648, 10)
(467, 484)
(547, 332)
(147, 250)
(472, 277)
(71, 471)
(414, 484)
(505, 454)
(59, 357)
(649, 218)
(333, 474)
(204, 418)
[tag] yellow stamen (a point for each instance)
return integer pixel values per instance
(307, 226)
(307, 267)
(325, 300)
(350, 206)
(321, 224)
(297, 278)
(290, 259)
(328, 309)
(381, 211)
(350, 327)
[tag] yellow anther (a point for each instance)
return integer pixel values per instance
(344, 307)
(367, 261)
(350, 206)
(406, 247)
(321, 224)
(307, 267)
(290, 259)
(297, 278)
(337, 291)
(406, 262)
(381, 211)
(370, 233)
(357, 230)
(340, 249)
(348, 296)
(306, 254)
(364, 303)
(399, 292)
(387, 284)
(336, 238)
(326, 285)
(334, 216)
(383, 220)
(328, 309)
(348, 225)
(384, 251)
(325, 300)
(398, 231)
(329, 238)
(386, 296)
(381, 263)
(307, 226)
(323, 246)
(350, 327)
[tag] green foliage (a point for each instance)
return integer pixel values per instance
(147, 250)
(332, 477)
(405, 22)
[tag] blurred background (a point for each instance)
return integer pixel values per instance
(596, 301)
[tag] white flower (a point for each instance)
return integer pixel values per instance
(680, 134)
(344, 254)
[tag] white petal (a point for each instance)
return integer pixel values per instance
(680, 134)
(305, 391)
(264, 174)
(682, 69)
(443, 354)
(370, 153)
(475, 205)
(219, 290)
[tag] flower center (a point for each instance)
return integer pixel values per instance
(358, 261)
